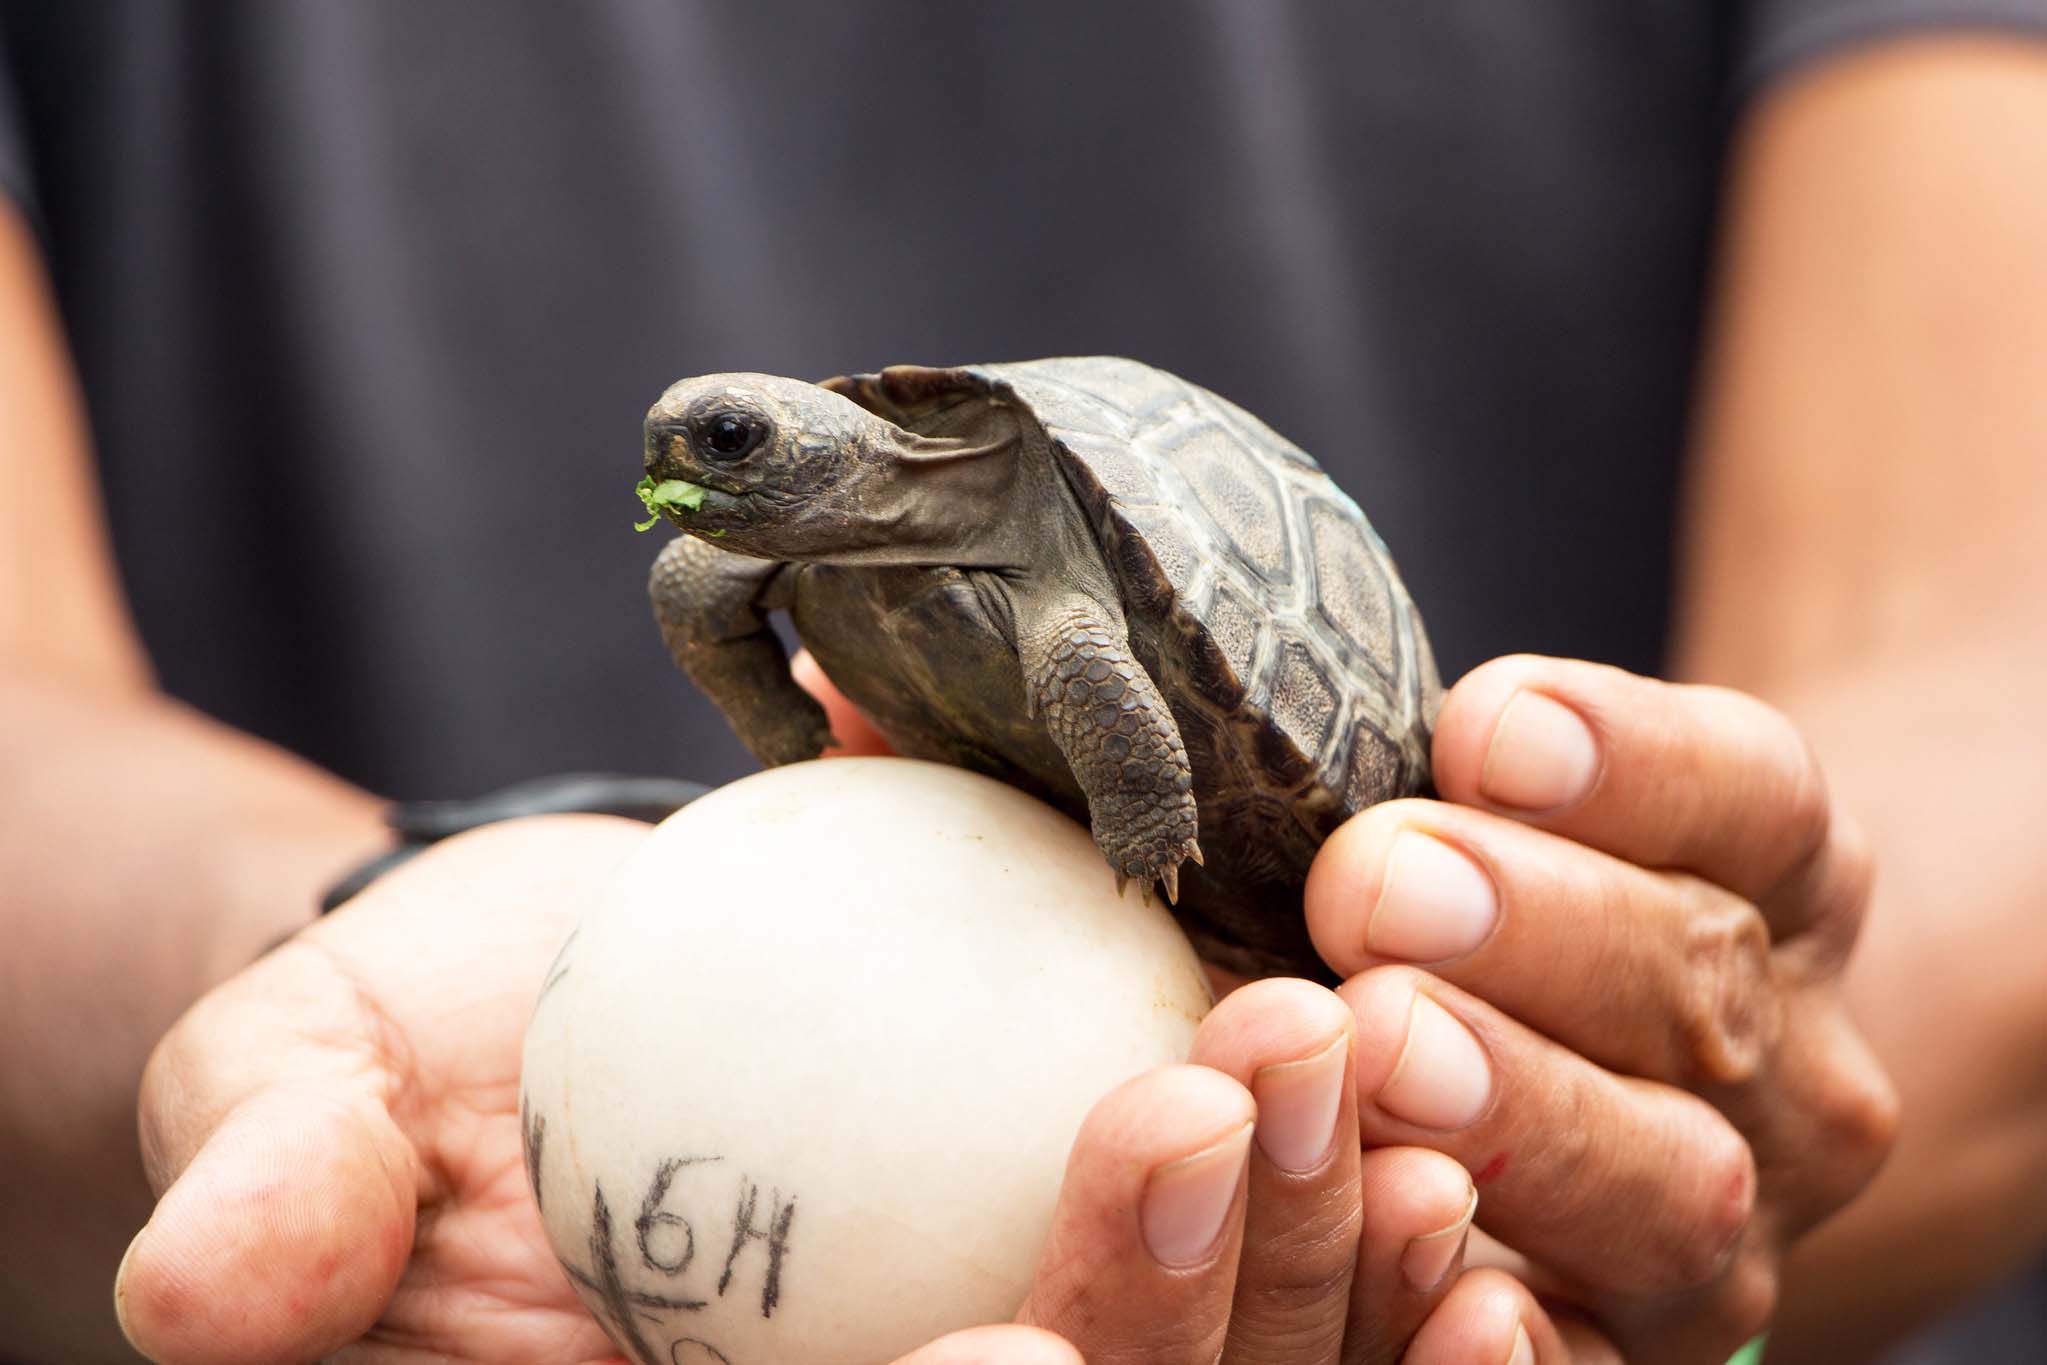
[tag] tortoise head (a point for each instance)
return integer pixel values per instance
(791, 470)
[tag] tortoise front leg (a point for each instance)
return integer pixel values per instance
(711, 605)
(1110, 721)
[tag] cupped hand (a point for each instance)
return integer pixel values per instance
(334, 1132)
(1632, 904)
(1602, 973)
(335, 1137)
(1226, 1211)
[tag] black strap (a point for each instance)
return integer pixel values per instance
(419, 824)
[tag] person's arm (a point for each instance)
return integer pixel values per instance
(1865, 550)
(145, 853)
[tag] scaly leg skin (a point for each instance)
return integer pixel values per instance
(1108, 718)
(711, 605)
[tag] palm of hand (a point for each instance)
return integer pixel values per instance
(416, 1141)
(482, 1284)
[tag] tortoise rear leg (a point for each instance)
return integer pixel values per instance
(1110, 721)
(710, 605)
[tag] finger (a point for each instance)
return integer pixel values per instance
(1141, 1260)
(288, 1193)
(1654, 974)
(1834, 1121)
(1703, 779)
(1490, 1316)
(1288, 1042)
(1418, 1210)
(852, 733)
(995, 1346)
(1622, 1184)
(281, 1240)
(1706, 1328)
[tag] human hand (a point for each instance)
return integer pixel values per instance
(1223, 1211)
(335, 1137)
(1629, 1027)
(1633, 902)
(1640, 1048)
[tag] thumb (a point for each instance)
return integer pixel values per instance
(853, 734)
(996, 1346)
(282, 1239)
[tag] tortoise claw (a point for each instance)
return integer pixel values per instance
(1194, 852)
(1121, 881)
(1169, 877)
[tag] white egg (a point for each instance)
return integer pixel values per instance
(801, 1087)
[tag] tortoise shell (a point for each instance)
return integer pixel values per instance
(1260, 601)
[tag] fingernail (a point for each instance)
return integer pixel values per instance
(1429, 1257)
(1297, 1104)
(1186, 1201)
(1434, 902)
(1543, 755)
(1524, 1349)
(1442, 1080)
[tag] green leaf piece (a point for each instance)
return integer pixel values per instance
(659, 497)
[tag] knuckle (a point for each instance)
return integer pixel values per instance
(1307, 1267)
(1725, 1013)
(1872, 1117)
(1723, 1202)
(1859, 1118)
(1746, 1300)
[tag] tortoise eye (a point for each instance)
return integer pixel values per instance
(729, 435)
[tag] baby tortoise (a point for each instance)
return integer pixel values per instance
(1084, 576)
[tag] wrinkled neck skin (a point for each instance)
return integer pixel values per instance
(914, 499)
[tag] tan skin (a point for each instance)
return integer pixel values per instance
(143, 845)
(1864, 551)
(1858, 553)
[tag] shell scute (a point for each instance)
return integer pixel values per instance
(1267, 610)
(1233, 622)
(1352, 593)
(1373, 766)
(1243, 502)
(1277, 583)
(1173, 553)
(1120, 467)
(1302, 697)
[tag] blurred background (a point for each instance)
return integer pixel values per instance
(366, 301)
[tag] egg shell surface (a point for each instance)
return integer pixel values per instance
(801, 1086)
